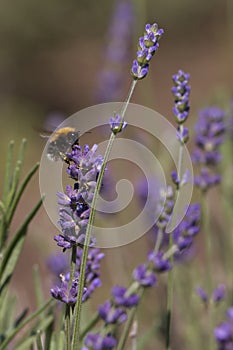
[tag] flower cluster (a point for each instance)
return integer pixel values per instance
(181, 92)
(188, 228)
(224, 332)
(67, 292)
(210, 129)
(218, 295)
(117, 124)
(114, 311)
(147, 46)
(84, 167)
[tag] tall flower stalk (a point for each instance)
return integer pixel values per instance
(181, 92)
(148, 44)
(210, 130)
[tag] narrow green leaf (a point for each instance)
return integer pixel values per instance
(37, 286)
(60, 340)
(12, 252)
(12, 192)
(22, 150)
(21, 317)
(16, 175)
(3, 225)
(48, 334)
(7, 181)
(7, 314)
(20, 191)
(23, 324)
(38, 341)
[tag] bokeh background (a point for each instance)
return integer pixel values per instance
(58, 57)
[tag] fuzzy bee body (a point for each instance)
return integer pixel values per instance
(60, 143)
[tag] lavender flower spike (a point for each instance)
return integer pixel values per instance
(181, 92)
(147, 46)
(210, 129)
(84, 167)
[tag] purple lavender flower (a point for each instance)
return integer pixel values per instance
(116, 123)
(181, 92)
(111, 78)
(97, 341)
(111, 314)
(84, 167)
(218, 294)
(66, 295)
(159, 263)
(188, 228)
(165, 207)
(121, 298)
(58, 263)
(92, 278)
(224, 332)
(144, 276)
(202, 294)
(210, 129)
(147, 46)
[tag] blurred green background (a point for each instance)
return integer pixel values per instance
(51, 55)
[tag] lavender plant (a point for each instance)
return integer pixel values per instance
(76, 270)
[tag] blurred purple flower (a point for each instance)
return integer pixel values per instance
(121, 298)
(224, 332)
(111, 78)
(210, 131)
(111, 314)
(144, 276)
(58, 263)
(218, 294)
(97, 341)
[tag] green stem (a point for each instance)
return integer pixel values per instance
(128, 325)
(208, 238)
(170, 282)
(170, 286)
(67, 326)
(78, 306)
(68, 309)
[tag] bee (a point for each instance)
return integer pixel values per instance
(60, 143)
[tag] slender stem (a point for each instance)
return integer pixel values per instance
(208, 237)
(169, 298)
(128, 325)
(158, 241)
(67, 326)
(68, 309)
(78, 306)
(170, 282)
(180, 162)
(126, 103)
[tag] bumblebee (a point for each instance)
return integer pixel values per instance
(60, 143)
